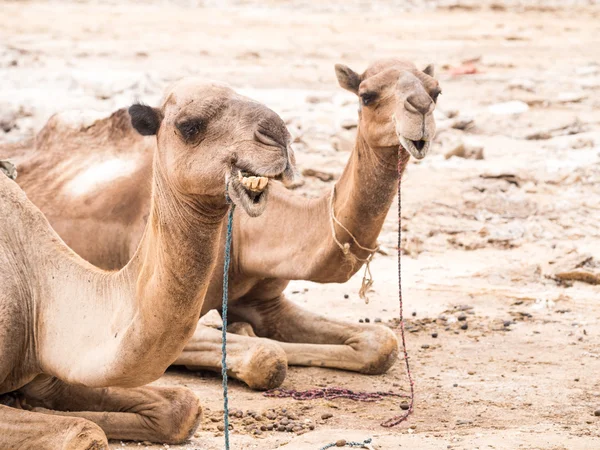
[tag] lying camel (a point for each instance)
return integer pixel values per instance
(75, 341)
(292, 240)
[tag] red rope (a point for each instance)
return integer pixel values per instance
(331, 393)
(402, 161)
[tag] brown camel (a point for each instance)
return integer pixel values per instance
(292, 240)
(75, 340)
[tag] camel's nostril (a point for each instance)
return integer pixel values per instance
(419, 144)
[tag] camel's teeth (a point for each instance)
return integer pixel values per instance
(262, 183)
(255, 181)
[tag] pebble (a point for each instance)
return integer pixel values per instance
(289, 428)
(414, 314)
(292, 416)
(367, 320)
(326, 416)
(346, 296)
(425, 346)
(221, 427)
(461, 317)
(597, 413)
(361, 321)
(377, 320)
(341, 443)
(269, 426)
(280, 428)
(404, 406)
(464, 326)
(507, 323)
(434, 335)
(297, 428)
(271, 415)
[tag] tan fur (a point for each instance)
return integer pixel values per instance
(76, 340)
(291, 240)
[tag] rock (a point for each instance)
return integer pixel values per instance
(269, 426)
(346, 296)
(464, 326)
(367, 320)
(297, 428)
(292, 416)
(507, 323)
(281, 428)
(425, 346)
(340, 443)
(271, 415)
(289, 428)
(571, 97)
(597, 413)
(462, 150)
(462, 123)
(326, 416)
(404, 406)
(434, 335)
(508, 108)
(377, 320)
(342, 144)
(221, 427)
(323, 176)
(361, 321)
(462, 317)
(524, 84)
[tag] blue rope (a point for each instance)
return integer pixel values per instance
(349, 444)
(224, 314)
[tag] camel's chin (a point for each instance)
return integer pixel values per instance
(252, 201)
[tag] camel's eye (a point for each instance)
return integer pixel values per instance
(367, 98)
(191, 129)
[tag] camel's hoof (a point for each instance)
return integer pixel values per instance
(85, 435)
(266, 366)
(180, 415)
(384, 353)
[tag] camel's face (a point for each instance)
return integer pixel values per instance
(396, 104)
(209, 137)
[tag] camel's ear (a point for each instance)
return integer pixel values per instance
(145, 119)
(429, 70)
(347, 78)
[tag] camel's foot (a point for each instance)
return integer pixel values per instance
(21, 429)
(260, 363)
(377, 346)
(85, 435)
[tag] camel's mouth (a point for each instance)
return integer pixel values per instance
(249, 190)
(418, 149)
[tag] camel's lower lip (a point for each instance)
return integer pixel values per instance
(417, 149)
(249, 190)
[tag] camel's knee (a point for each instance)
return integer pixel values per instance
(265, 366)
(179, 415)
(84, 435)
(379, 350)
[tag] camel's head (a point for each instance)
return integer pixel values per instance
(396, 104)
(210, 137)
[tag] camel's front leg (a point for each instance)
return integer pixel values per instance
(260, 363)
(25, 430)
(313, 340)
(158, 414)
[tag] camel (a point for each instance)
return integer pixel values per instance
(292, 240)
(77, 342)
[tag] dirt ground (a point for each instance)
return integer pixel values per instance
(494, 243)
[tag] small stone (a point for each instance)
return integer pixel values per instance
(367, 320)
(455, 385)
(341, 443)
(434, 335)
(239, 414)
(215, 419)
(425, 346)
(311, 426)
(271, 415)
(280, 428)
(326, 416)
(221, 427)
(597, 413)
(361, 321)
(464, 326)
(284, 422)
(292, 416)
(461, 317)
(377, 320)
(269, 426)
(470, 372)
(414, 314)
(576, 379)
(404, 406)
(507, 323)
(264, 428)
(289, 428)
(346, 296)
(297, 428)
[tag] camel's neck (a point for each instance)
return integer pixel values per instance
(293, 240)
(150, 308)
(364, 193)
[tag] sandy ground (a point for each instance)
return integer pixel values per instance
(484, 238)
